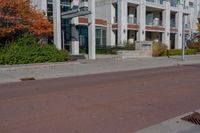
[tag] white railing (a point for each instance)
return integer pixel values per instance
(173, 23)
(132, 20)
(155, 22)
(156, 1)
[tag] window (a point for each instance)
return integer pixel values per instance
(191, 4)
(100, 36)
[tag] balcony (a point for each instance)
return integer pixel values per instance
(154, 22)
(173, 23)
(132, 20)
(156, 1)
(174, 3)
(83, 6)
(187, 26)
(115, 20)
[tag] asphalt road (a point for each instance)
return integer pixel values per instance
(121, 102)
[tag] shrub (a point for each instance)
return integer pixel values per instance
(195, 45)
(159, 49)
(126, 46)
(106, 50)
(129, 46)
(173, 52)
(26, 50)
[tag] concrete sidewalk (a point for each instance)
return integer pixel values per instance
(85, 67)
(175, 125)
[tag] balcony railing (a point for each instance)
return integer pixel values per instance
(156, 1)
(132, 20)
(174, 3)
(115, 20)
(173, 23)
(187, 26)
(155, 22)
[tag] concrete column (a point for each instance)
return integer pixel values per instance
(44, 5)
(122, 21)
(57, 24)
(166, 24)
(75, 33)
(40, 5)
(91, 31)
(110, 33)
(75, 40)
(189, 18)
(179, 21)
(141, 17)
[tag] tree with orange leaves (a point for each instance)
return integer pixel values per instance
(20, 16)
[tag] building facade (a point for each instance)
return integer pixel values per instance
(74, 32)
(126, 21)
(148, 20)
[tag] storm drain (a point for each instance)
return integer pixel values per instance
(27, 79)
(193, 118)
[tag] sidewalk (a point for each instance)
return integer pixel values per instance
(85, 67)
(175, 125)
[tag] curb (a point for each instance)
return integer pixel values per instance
(35, 66)
(174, 125)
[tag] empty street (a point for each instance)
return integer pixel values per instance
(120, 102)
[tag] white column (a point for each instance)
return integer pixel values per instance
(57, 24)
(166, 24)
(179, 21)
(40, 5)
(122, 21)
(44, 5)
(110, 33)
(75, 33)
(75, 40)
(91, 30)
(141, 16)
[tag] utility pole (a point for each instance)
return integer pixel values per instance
(183, 42)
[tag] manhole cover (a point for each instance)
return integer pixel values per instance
(27, 79)
(193, 118)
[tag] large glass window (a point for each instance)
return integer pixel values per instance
(100, 36)
(66, 23)
(174, 3)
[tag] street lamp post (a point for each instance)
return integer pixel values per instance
(183, 42)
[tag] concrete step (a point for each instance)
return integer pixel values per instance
(76, 57)
(135, 54)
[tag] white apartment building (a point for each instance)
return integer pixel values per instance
(148, 20)
(119, 21)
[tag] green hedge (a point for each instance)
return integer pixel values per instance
(101, 50)
(109, 49)
(26, 50)
(173, 52)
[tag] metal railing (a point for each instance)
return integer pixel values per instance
(174, 3)
(156, 1)
(187, 26)
(154, 22)
(173, 23)
(115, 19)
(132, 20)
